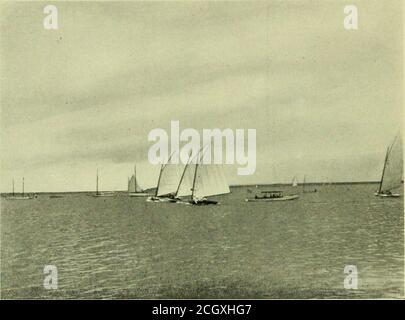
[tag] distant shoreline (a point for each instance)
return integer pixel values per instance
(306, 183)
(231, 186)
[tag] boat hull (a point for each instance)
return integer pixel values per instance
(138, 194)
(285, 198)
(159, 199)
(20, 198)
(191, 202)
(203, 202)
(383, 195)
(102, 195)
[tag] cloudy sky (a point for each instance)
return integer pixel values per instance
(325, 101)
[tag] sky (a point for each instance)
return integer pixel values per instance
(325, 101)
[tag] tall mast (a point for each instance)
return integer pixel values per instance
(303, 184)
(194, 179)
(135, 178)
(23, 186)
(160, 173)
(13, 187)
(97, 183)
(195, 172)
(182, 175)
(385, 164)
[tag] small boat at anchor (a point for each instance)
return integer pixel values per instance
(267, 196)
(21, 196)
(103, 193)
(392, 172)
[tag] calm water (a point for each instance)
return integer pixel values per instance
(127, 248)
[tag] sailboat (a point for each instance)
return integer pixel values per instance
(134, 190)
(304, 190)
(102, 194)
(168, 180)
(294, 181)
(391, 177)
(185, 185)
(22, 196)
(200, 181)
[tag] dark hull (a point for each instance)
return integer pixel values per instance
(203, 202)
(284, 198)
(159, 199)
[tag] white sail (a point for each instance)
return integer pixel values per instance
(133, 185)
(169, 179)
(392, 175)
(209, 181)
(295, 181)
(186, 185)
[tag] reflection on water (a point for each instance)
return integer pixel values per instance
(127, 248)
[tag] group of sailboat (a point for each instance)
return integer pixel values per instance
(194, 182)
(191, 184)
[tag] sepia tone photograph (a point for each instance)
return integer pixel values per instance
(201, 150)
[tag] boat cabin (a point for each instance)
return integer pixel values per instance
(270, 194)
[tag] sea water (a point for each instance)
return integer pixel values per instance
(124, 247)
